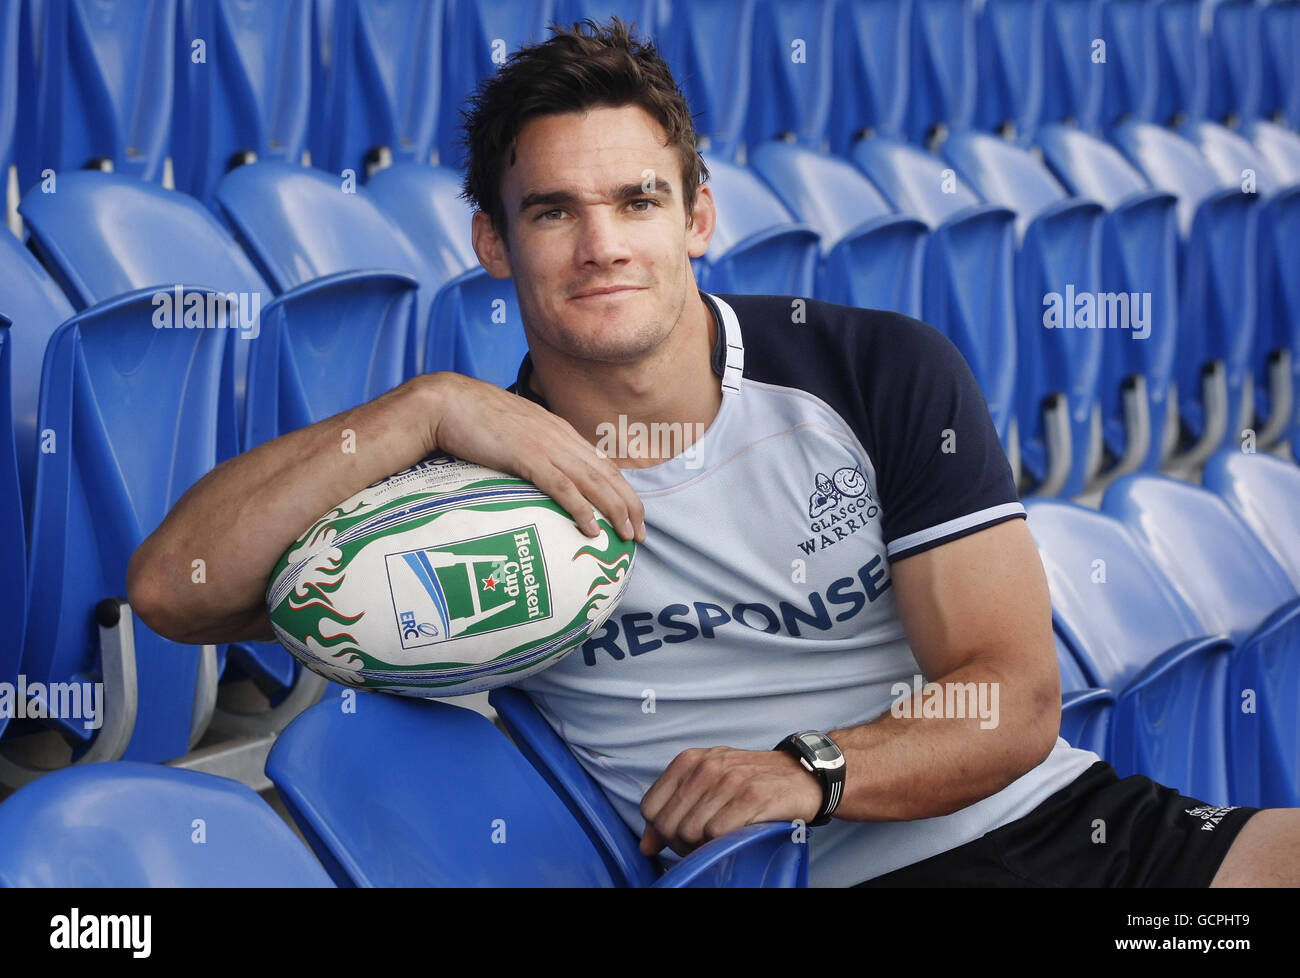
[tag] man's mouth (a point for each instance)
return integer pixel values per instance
(607, 292)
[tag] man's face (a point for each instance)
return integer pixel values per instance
(594, 201)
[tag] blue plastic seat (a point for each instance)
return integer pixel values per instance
(383, 86)
(133, 410)
(1263, 491)
(1218, 280)
(9, 75)
(941, 94)
(475, 327)
(1010, 42)
(1276, 357)
(1139, 259)
(1133, 634)
(1279, 146)
(1237, 57)
(757, 247)
(871, 257)
(1279, 79)
(1059, 254)
(1211, 557)
(969, 268)
(250, 96)
(477, 39)
(1072, 81)
(709, 46)
(1185, 62)
(299, 224)
(126, 824)
(872, 64)
(420, 793)
(793, 78)
(13, 534)
(105, 87)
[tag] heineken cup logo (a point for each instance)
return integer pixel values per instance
(469, 587)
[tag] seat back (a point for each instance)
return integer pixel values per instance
(475, 327)
(1072, 84)
(1139, 262)
(872, 68)
(383, 87)
(709, 46)
(1237, 56)
(1279, 78)
(1185, 62)
(251, 92)
(1109, 599)
(941, 94)
(10, 22)
(476, 41)
(299, 224)
(126, 824)
(13, 536)
(1262, 490)
(1010, 44)
(1204, 550)
(131, 404)
(871, 256)
(421, 793)
(793, 75)
(105, 89)
(757, 246)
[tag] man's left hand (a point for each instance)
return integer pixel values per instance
(707, 792)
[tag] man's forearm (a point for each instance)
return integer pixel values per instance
(270, 495)
(917, 766)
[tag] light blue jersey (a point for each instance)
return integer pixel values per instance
(762, 602)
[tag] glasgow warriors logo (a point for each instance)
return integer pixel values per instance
(840, 505)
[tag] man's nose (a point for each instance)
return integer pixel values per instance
(602, 240)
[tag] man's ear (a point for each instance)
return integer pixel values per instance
(490, 248)
(700, 232)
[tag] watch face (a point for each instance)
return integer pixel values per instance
(821, 746)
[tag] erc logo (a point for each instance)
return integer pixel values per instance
(469, 587)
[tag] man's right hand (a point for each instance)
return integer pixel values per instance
(240, 518)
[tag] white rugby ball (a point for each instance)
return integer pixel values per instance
(446, 579)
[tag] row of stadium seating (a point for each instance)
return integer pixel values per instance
(359, 82)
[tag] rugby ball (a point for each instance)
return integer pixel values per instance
(446, 579)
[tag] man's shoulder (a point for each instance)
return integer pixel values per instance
(807, 343)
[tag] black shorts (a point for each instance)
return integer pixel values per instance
(1098, 830)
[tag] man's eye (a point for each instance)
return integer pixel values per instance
(545, 215)
(645, 200)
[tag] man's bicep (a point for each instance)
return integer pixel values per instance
(982, 596)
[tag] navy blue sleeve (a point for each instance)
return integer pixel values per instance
(909, 395)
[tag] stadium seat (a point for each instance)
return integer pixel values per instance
(1279, 80)
(942, 86)
(476, 40)
(1059, 254)
(1139, 259)
(1236, 587)
(1263, 491)
(793, 80)
(105, 87)
(133, 408)
(1072, 82)
(1217, 274)
(1085, 709)
(420, 793)
(475, 327)
(871, 257)
(9, 41)
(1009, 49)
(1237, 57)
(301, 224)
(709, 46)
(969, 271)
(757, 247)
(249, 97)
(13, 535)
(1279, 146)
(383, 85)
(1184, 72)
(1133, 634)
(143, 825)
(1276, 357)
(871, 67)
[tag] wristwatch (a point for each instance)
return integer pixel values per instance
(822, 758)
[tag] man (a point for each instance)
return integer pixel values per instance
(836, 518)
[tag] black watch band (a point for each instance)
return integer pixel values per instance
(822, 758)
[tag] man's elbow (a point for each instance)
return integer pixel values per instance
(1042, 724)
(148, 595)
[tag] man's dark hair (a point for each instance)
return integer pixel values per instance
(578, 67)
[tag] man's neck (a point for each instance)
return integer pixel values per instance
(621, 408)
